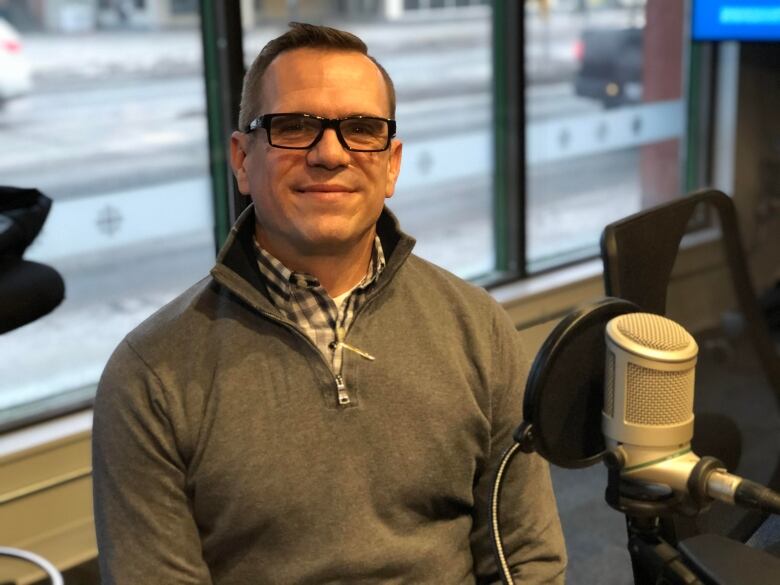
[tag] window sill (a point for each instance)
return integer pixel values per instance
(547, 297)
(46, 495)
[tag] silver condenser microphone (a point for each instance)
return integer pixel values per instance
(647, 419)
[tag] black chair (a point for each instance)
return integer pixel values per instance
(28, 290)
(638, 254)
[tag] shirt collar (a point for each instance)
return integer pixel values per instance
(282, 279)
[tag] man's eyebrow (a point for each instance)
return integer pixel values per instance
(363, 114)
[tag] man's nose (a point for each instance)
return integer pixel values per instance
(328, 152)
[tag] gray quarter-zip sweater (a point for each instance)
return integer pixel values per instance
(222, 455)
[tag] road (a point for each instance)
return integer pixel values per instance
(96, 138)
(131, 134)
(75, 142)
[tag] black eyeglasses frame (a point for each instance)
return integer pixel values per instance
(264, 121)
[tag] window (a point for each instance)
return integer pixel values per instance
(112, 128)
(606, 119)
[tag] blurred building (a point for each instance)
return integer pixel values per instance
(73, 16)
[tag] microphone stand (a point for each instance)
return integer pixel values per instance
(656, 556)
(653, 559)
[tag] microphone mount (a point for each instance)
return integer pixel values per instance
(653, 559)
(634, 499)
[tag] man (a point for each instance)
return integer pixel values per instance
(326, 407)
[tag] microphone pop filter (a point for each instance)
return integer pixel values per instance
(564, 393)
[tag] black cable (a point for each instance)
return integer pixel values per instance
(756, 496)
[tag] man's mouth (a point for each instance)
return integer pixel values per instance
(324, 188)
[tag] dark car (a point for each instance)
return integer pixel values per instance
(610, 65)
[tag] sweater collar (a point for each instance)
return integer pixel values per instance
(236, 266)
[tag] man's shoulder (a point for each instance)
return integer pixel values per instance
(432, 279)
(178, 320)
(169, 341)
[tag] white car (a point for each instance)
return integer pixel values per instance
(15, 71)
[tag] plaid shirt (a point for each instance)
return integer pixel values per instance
(302, 299)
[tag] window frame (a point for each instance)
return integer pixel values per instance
(223, 68)
(509, 120)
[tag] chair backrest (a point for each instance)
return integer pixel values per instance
(639, 252)
(28, 290)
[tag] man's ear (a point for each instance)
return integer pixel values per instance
(239, 143)
(393, 167)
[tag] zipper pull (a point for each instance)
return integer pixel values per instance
(334, 345)
(341, 390)
(354, 349)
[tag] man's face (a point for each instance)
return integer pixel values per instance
(324, 200)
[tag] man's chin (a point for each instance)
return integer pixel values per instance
(331, 245)
(336, 241)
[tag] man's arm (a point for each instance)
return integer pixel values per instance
(145, 528)
(529, 522)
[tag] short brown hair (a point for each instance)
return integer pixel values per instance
(300, 35)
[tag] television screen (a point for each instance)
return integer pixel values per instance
(736, 20)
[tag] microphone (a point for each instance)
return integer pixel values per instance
(647, 416)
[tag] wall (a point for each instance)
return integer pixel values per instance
(757, 177)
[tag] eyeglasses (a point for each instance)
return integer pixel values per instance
(302, 131)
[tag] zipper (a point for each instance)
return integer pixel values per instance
(342, 394)
(341, 390)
